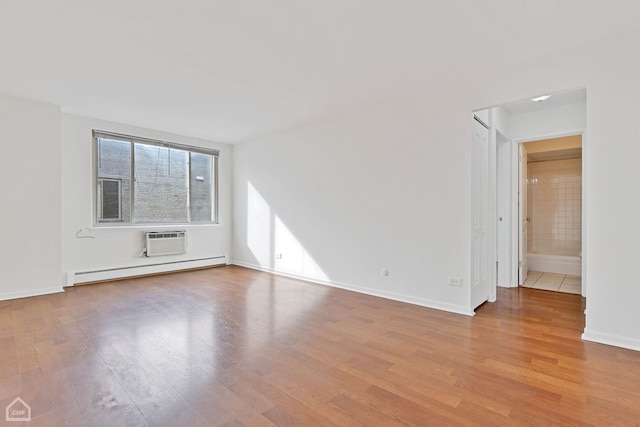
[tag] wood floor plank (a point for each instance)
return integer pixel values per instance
(231, 346)
(365, 414)
(281, 417)
(9, 362)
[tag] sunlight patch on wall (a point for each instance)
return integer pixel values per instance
(291, 256)
(273, 244)
(259, 227)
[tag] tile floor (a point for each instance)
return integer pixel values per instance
(553, 282)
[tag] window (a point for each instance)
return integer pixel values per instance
(141, 181)
(109, 200)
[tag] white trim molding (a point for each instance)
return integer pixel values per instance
(31, 293)
(423, 302)
(611, 339)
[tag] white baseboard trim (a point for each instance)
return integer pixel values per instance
(31, 293)
(74, 278)
(424, 302)
(611, 339)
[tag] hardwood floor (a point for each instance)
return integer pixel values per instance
(231, 347)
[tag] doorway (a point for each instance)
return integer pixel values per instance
(510, 126)
(551, 205)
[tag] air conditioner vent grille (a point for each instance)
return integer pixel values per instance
(170, 235)
(159, 243)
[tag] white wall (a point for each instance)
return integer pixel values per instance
(384, 187)
(47, 198)
(501, 121)
(389, 186)
(548, 122)
(31, 202)
(121, 246)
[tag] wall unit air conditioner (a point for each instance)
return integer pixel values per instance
(159, 243)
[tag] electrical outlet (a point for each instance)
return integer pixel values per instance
(278, 256)
(455, 281)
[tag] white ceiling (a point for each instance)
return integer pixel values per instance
(235, 70)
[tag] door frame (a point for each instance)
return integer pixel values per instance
(515, 235)
(503, 210)
(523, 222)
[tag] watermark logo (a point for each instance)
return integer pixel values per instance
(18, 410)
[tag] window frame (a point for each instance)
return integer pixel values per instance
(132, 140)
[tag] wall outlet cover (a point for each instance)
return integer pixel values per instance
(455, 281)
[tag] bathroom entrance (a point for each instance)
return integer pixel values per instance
(551, 214)
(552, 127)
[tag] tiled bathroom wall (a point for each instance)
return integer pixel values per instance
(554, 196)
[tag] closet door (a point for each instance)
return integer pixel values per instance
(480, 213)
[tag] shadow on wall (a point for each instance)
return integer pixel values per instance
(272, 243)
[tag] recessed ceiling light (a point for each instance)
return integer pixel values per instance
(541, 98)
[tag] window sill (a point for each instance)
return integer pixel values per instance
(145, 227)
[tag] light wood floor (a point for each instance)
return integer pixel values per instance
(231, 346)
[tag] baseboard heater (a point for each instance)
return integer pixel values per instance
(142, 270)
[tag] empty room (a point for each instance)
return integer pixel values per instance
(319, 213)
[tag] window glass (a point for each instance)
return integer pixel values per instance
(161, 190)
(143, 181)
(114, 164)
(201, 183)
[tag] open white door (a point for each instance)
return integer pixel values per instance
(480, 212)
(523, 219)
